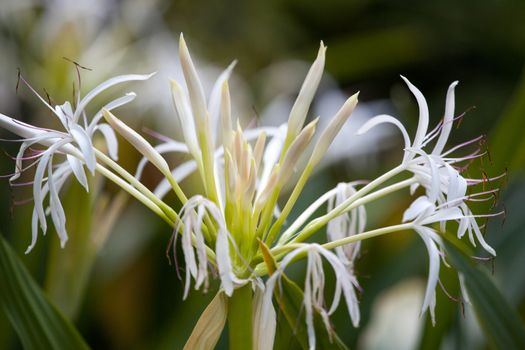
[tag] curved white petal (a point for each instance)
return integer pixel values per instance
(422, 126)
(429, 300)
(86, 147)
(448, 119)
(105, 85)
(78, 170)
(384, 118)
(111, 139)
(128, 97)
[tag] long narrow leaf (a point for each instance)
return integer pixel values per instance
(500, 322)
(37, 322)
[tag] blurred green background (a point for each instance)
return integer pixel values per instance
(122, 292)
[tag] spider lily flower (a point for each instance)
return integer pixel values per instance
(435, 170)
(243, 176)
(234, 227)
(75, 142)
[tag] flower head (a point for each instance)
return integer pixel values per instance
(235, 226)
(74, 142)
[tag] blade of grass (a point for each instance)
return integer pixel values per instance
(37, 322)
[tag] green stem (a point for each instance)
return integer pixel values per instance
(240, 318)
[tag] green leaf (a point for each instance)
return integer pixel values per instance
(37, 322)
(507, 142)
(290, 299)
(500, 322)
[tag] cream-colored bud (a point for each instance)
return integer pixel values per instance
(296, 149)
(332, 129)
(138, 142)
(306, 95)
(186, 119)
(226, 116)
(258, 149)
(193, 83)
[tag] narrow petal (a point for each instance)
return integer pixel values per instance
(78, 170)
(111, 139)
(383, 118)
(422, 126)
(448, 119)
(86, 147)
(57, 211)
(429, 300)
(130, 96)
(105, 85)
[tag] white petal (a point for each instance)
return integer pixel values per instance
(384, 118)
(448, 119)
(417, 208)
(78, 171)
(38, 195)
(480, 238)
(22, 129)
(433, 271)
(111, 139)
(222, 251)
(105, 85)
(130, 96)
(422, 126)
(34, 231)
(57, 211)
(86, 147)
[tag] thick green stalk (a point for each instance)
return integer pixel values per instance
(240, 318)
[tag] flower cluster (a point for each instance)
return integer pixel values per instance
(235, 226)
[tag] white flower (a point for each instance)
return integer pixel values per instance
(445, 187)
(314, 286)
(75, 142)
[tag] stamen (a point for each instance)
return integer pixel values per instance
(492, 260)
(21, 184)
(461, 145)
(48, 97)
(456, 299)
(21, 202)
(157, 135)
(473, 182)
(172, 243)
